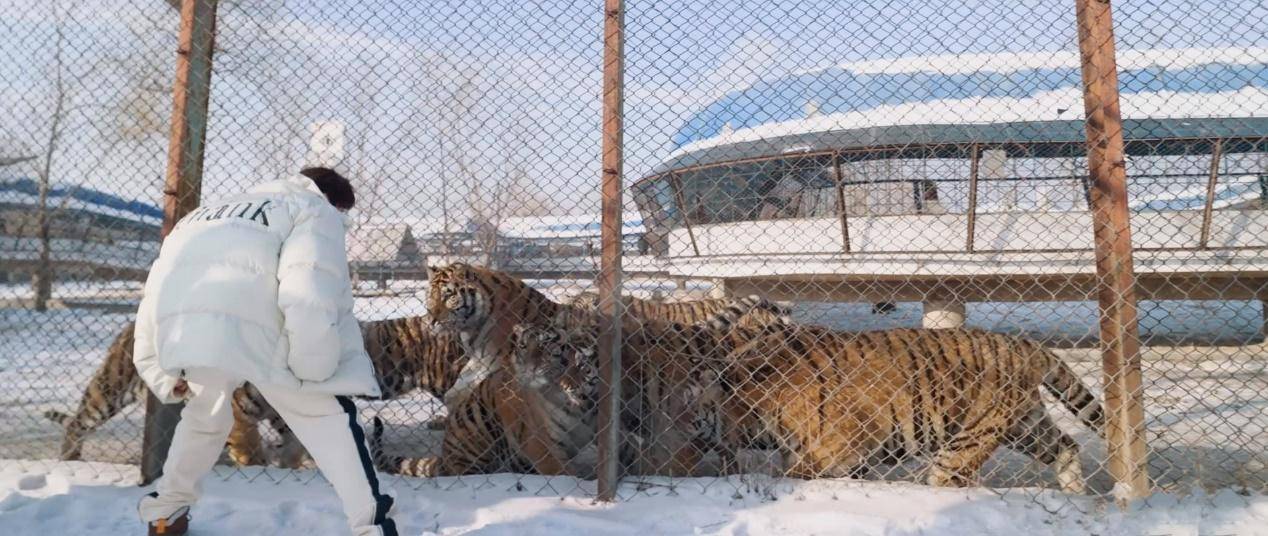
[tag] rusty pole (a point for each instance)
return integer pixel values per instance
(1120, 340)
(1211, 182)
(610, 262)
(188, 137)
(842, 209)
(974, 163)
(683, 213)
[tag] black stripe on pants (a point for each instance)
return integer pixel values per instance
(382, 503)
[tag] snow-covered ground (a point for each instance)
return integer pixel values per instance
(91, 498)
(1206, 406)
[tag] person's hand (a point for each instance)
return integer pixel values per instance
(181, 390)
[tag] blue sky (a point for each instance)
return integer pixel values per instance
(538, 67)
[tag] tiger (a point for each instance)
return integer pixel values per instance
(405, 353)
(527, 417)
(686, 312)
(537, 412)
(485, 307)
(116, 385)
(244, 445)
(482, 306)
(835, 401)
(662, 363)
(408, 355)
(655, 359)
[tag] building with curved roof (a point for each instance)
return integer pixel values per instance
(1026, 97)
(920, 167)
(92, 234)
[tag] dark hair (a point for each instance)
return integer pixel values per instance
(337, 188)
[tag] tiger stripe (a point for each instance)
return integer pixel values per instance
(759, 310)
(835, 401)
(497, 428)
(484, 307)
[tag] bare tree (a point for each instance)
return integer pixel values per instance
(509, 191)
(143, 111)
(489, 171)
(65, 103)
(457, 107)
(368, 171)
(263, 57)
(42, 276)
(253, 49)
(521, 195)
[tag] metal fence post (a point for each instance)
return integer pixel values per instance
(610, 263)
(842, 209)
(676, 184)
(1211, 181)
(971, 210)
(1120, 340)
(188, 138)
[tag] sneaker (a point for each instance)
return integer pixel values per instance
(175, 525)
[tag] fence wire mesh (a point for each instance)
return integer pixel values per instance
(858, 238)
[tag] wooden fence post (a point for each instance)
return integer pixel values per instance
(610, 262)
(1120, 340)
(181, 190)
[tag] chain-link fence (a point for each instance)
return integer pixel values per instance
(943, 288)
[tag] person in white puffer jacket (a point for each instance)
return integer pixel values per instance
(256, 288)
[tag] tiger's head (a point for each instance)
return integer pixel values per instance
(545, 355)
(456, 301)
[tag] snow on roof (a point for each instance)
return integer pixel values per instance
(1040, 86)
(378, 243)
(574, 226)
(1018, 61)
(528, 227)
(422, 226)
(26, 192)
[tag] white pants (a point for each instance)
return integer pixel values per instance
(326, 425)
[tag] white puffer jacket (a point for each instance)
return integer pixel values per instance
(255, 285)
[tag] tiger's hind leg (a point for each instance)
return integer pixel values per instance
(1040, 438)
(960, 459)
(291, 454)
(113, 387)
(244, 444)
